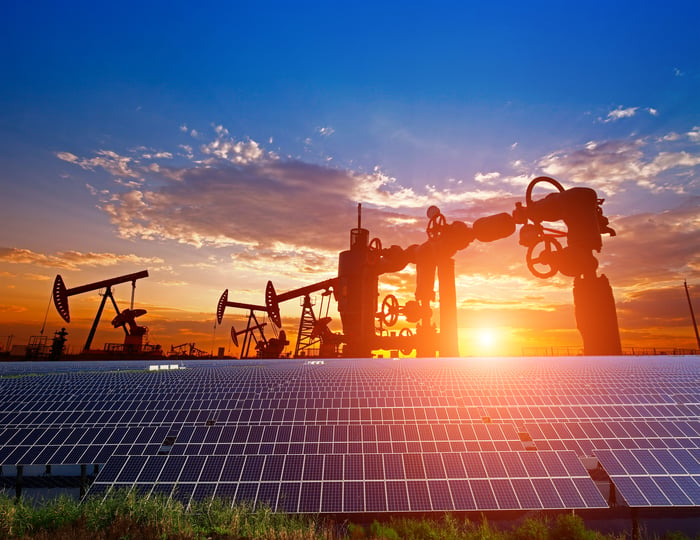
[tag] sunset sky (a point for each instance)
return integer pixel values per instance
(219, 145)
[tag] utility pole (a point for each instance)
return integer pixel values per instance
(692, 313)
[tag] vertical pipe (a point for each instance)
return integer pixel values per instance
(596, 316)
(449, 340)
(692, 313)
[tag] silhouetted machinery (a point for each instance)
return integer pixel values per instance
(254, 331)
(366, 324)
(359, 268)
(580, 209)
(313, 332)
(126, 319)
(186, 350)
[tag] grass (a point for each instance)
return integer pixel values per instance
(125, 515)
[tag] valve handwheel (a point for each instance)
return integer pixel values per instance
(390, 310)
(531, 186)
(406, 333)
(435, 226)
(546, 257)
(375, 250)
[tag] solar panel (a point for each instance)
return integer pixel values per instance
(367, 435)
(661, 477)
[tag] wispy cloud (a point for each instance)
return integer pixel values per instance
(607, 165)
(672, 236)
(70, 260)
(619, 113)
(325, 131)
(228, 149)
(239, 195)
(4, 308)
(113, 163)
(626, 112)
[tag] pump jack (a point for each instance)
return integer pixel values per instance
(312, 331)
(254, 331)
(126, 319)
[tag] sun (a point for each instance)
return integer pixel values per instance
(486, 338)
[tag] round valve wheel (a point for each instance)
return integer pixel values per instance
(390, 310)
(435, 226)
(406, 332)
(546, 256)
(375, 251)
(531, 186)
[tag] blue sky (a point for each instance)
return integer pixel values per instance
(193, 138)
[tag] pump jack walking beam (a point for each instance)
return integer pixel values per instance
(224, 303)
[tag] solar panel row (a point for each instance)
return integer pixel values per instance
(656, 477)
(331, 483)
(368, 435)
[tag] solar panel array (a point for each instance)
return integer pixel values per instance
(351, 435)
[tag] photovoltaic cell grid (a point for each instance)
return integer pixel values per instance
(654, 477)
(362, 435)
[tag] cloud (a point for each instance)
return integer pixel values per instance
(619, 113)
(241, 195)
(665, 306)
(4, 308)
(108, 160)
(70, 260)
(238, 152)
(626, 112)
(603, 164)
(308, 264)
(158, 155)
(485, 178)
(672, 236)
(607, 165)
(254, 204)
(36, 277)
(325, 131)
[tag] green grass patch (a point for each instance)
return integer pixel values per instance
(125, 515)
